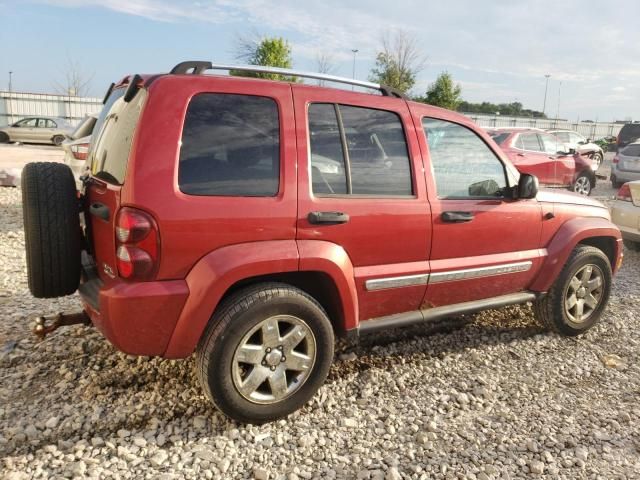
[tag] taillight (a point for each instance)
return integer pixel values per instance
(624, 193)
(615, 159)
(80, 151)
(137, 240)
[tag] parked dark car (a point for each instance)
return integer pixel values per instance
(625, 166)
(629, 133)
(545, 156)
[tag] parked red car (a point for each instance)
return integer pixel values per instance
(250, 221)
(545, 156)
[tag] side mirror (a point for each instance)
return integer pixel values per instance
(527, 186)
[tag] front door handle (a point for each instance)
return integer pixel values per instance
(327, 218)
(456, 217)
(99, 210)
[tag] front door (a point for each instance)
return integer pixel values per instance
(361, 187)
(484, 244)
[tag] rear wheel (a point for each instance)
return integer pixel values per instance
(51, 228)
(266, 351)
(597, 159)
(57, 140)
(4, 138)
(615, 183)
(582, 185)
(579, 295)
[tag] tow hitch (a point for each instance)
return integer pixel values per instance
(45, 325)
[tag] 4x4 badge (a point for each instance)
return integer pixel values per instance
(108, 270)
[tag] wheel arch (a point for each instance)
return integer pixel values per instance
(321, 269)
(596, 232)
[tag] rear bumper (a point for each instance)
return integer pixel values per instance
(627, 217)
(137, 318)
(625, 175)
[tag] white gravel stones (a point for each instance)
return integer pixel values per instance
(496, 398)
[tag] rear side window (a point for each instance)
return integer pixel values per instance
(463, 165)
(631, 150)
(359, 151)
(498, 137)
(230, 146)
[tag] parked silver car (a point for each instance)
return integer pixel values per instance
(625, 166)
(76, 147)
(37, 130)
(580, 144)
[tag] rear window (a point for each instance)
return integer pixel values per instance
(630, 132)
(631, 150)
(499, 137)
(230, 146)
(114, 131)
(84, 128)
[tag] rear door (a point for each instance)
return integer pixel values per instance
(108, 159)
(528, 156)
(484, 244)
(361, 187)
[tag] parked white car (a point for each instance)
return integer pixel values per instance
(76, 147)
(580, 144)
(625, 213)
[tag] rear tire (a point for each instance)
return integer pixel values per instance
(631, 245)
(4, 138)
(615, 183)
(585, 280)
(52, 232)
(57, 140)
(265, 352)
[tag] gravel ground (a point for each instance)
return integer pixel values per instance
(490, 397)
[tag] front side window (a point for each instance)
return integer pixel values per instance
(463, 165)
(376, 160)
(551, 144)
(230, 146)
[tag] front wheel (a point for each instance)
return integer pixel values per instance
(4, 137)
(582, 185)
(579, 295)
(597, 159)
(266, 351)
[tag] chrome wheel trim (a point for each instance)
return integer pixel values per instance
(274, 359)
(584, 293)
(582, 186)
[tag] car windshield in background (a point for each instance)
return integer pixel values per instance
(499, 137)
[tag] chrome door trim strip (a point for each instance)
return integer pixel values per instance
(470, 273)
(396, 282)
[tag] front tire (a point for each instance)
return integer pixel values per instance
(4, 137)
(597, 159)
(579, 295)
(265, 352)
(582, 185)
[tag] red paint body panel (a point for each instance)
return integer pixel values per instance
(214, 274)
(571, 233)
(139, 318)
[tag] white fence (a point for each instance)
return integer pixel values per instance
(587, 129)
(15, 106)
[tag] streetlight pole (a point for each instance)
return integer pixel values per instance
(10, 74)
(354, 50)
(546, 86)
(558, 110)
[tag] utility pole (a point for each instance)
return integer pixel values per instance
(354, 50)
(558, 110)
(546, 86)
(10, 74)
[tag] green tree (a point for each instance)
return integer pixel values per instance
(265, 51)
(398, 63)
(443, 93)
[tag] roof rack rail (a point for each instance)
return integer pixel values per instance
(198, 67)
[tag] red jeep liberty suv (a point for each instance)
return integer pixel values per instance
(250, 221)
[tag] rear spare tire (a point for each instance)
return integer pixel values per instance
(51, 228)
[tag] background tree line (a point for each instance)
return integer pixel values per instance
(398, 63)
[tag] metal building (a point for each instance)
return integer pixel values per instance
(16, 105)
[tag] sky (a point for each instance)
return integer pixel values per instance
(498, 51)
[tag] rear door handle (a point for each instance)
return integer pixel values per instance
(327, 218)
(99, 210)
(456, 217)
